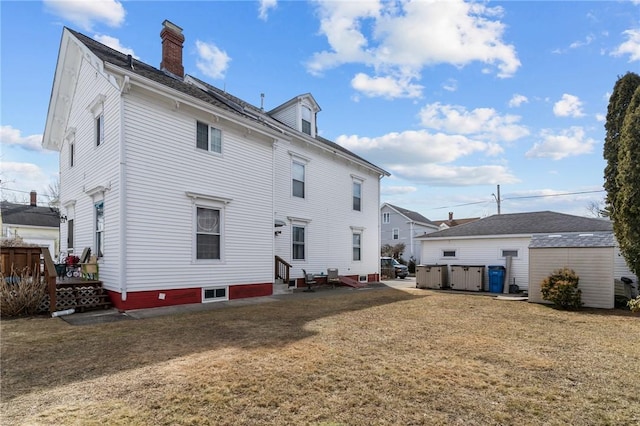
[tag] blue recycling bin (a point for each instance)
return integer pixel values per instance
(496, 278)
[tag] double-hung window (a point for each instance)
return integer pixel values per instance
(99, 129)
(396, 233)
(99, 212)
(306, 120)
(386, 217)
(357, 246)
(298, 171)
(207, 233)
(357, 195)
(298, 242)
(70, 234)
(208, 138)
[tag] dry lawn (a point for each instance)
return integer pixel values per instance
(375, 357)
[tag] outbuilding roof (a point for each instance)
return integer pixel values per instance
(572, 240)
(28, 215)
(544, 222)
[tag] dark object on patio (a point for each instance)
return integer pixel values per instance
(332, 277)
(309, 281)
(514, 288)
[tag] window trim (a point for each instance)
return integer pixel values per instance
(70, 233)
(210, 132)
(218, 234)
(303, 244)
(99, 234)
(99, 129)
(356, 183)
(502, 255)
(386, 218)
(295, 162)
(215, 299)
(395, 234)
(303, 120)
(212, 202)
(448, 250)
(358, 247)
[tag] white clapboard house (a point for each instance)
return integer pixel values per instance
(188, 194)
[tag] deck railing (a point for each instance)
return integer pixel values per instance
(282, 269)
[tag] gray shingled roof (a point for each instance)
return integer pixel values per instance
(414, 216)
(214, 95)
(601, 239)
(525, 223)
(28, 215)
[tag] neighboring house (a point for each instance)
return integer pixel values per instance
(490, 240)
(402, 226)
(188, 194)
(31, 223)
(451, 222)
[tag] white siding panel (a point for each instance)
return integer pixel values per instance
(162, 165)
(94, 166)
(328, 207)
(481, 251)
(594, 267)
(620, 267)
(288, 116)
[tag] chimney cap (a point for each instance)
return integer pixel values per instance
(171, 26)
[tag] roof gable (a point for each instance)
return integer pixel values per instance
(202, 91)
(525, 223)
(410, 215)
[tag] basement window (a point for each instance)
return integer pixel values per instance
(214, 294)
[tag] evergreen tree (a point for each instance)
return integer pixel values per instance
(626, 217)
(618, 105)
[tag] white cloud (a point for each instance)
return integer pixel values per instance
(401, 38)
(211, 61)
(439, 175)
(11, 136)
(483, 123)
(568, 143)
(23, 177)
(414, 147)
(568, 106)
(587, 41)
(87, 13)
(387, 87)
(114, 43)
(265, 6)
(517, 100)
(601, 118)
(630, 47)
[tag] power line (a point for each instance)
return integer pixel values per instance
(521, 198)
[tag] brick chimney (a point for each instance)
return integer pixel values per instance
(34, 198)
(450, 216)
(172, 40)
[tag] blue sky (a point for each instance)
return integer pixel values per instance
(451, 97)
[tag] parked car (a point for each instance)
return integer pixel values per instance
(400, 270)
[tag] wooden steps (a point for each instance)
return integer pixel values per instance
(81, 295)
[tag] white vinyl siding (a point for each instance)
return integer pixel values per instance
(480, 251)
(594, 267)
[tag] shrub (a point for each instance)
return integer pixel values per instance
(21, 293)
(561, 288)
(634, 304)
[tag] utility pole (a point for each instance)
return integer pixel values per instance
(497, 197)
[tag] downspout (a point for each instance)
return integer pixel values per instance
(123, 194)
(274, 146)
(379, 230)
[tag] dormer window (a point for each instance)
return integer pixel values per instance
(306, 120)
